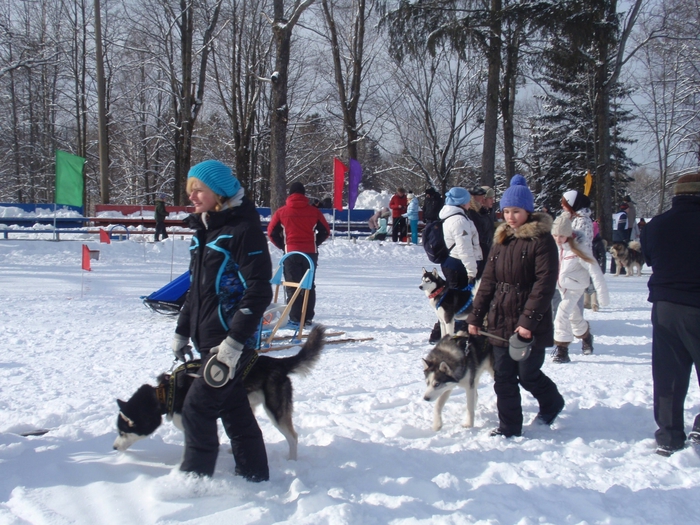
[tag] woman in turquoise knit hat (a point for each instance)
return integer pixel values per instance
(230, 272)
(515, 293)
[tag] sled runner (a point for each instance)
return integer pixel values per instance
(169, 299)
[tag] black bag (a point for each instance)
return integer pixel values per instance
(434, 241)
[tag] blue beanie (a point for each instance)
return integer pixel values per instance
(217, 176)
(518, 195)
(457, 197)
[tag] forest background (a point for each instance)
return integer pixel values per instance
(423, 93)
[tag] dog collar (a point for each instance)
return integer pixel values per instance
(436, 293)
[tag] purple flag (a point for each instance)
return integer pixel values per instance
(354, 182)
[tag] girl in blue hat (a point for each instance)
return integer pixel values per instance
(515, 293)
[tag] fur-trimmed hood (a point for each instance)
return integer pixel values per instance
(537, 225)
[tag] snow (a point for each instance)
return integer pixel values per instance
(75, 341)
(372, 200)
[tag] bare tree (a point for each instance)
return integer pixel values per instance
(283, 21)
(241, 61)
(435, 102)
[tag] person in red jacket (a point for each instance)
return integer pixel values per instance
(399, 205)
(299, 227)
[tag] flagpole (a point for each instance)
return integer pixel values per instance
(55, 235)
(172, 257)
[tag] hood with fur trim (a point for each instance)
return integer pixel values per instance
(537, 225)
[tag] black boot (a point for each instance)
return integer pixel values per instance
(561, 354)
(436, 334)
(587, 341)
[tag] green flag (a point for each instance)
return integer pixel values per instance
(69, 178)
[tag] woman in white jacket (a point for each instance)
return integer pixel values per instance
(460, 268)
(460, 235)
(577, 267)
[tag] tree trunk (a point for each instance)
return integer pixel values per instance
(508, 92)
(279, 117)
(493, 56)
(603, 184)
(101, 110)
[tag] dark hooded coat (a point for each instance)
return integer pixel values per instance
(519, 281)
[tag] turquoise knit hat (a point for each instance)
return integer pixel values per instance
(217, 176)
(518, 195)
(457, 197)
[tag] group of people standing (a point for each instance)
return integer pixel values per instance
(519, 267)
(512, 275)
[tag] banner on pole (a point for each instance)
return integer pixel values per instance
(69, 178)
(354, 180)
(588, 184)
(86, 258)
(339, 170)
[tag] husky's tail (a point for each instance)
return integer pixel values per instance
(635, 245)
(304, 361)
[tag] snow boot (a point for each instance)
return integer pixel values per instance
(561, 353)
(587, 342)
(694, 435)
(435, 335)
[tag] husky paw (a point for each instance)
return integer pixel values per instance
(437, 425)
(468, 424)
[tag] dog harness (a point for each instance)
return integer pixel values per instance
(467, 288)
(173, 389)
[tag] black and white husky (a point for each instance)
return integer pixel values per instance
(267, 384)
(449, 304)
(457, 360)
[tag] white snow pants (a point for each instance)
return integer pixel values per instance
(569, 321)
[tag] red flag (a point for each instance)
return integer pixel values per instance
(339, 170)
(86, 258)
(104, 236)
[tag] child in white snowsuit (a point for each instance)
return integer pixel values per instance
(577, 267)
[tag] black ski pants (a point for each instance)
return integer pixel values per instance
(509, 374)
(295, 267)
(203, 406)
(399, 229)
(675, 349)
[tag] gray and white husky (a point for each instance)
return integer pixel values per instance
(628, 256)
(450, 305)
(267, 383)
(457, 360)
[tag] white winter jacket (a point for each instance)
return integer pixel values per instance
(461, 233)
(584, 224)
(575, 273)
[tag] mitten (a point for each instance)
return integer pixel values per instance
(180, 347)
(229, 352)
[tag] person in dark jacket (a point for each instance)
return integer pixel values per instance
(484, 226)
(516, 293)
(671, 246)
(159, 215)
(432, 204)
(230, 271)
(299, 227)
(398, 205)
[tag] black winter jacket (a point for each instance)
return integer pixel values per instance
(671, 246)
(230, 272)
(484, 227)
(519, 282)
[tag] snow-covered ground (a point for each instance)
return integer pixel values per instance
(75, 341)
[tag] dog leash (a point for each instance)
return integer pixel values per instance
(481, 332)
